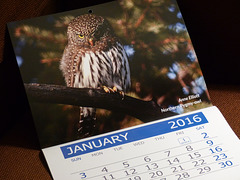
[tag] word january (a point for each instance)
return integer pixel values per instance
(98, 143)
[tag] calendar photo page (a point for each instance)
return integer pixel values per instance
(116, 92)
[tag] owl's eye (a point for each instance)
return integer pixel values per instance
(81, 36)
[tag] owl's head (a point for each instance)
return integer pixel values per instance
(89, 31)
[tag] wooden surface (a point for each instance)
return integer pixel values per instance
(227, 99)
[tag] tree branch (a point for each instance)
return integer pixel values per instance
(87, 97)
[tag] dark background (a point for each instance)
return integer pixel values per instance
(213, 27)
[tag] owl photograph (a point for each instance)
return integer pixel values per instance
(129, 57)
(94, 58)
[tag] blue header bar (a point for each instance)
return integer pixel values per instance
(131, 135)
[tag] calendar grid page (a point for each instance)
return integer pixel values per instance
(197, 145)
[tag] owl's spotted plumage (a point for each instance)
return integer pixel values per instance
(93, 57)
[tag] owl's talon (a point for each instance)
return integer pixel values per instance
(106, 89)
(122, 94)
(109, 90)
(114, 89)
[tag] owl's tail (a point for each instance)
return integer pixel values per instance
(87, 121)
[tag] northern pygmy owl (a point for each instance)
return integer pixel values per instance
(93, 57)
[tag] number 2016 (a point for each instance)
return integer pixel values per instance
(186, 121)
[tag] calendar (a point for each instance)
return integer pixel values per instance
(198, 145)
(116, 93)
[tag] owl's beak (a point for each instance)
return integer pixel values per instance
(91, 42)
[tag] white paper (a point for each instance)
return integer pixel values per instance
(190, 146)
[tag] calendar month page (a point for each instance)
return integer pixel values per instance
(199, 145)
(116, 92)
